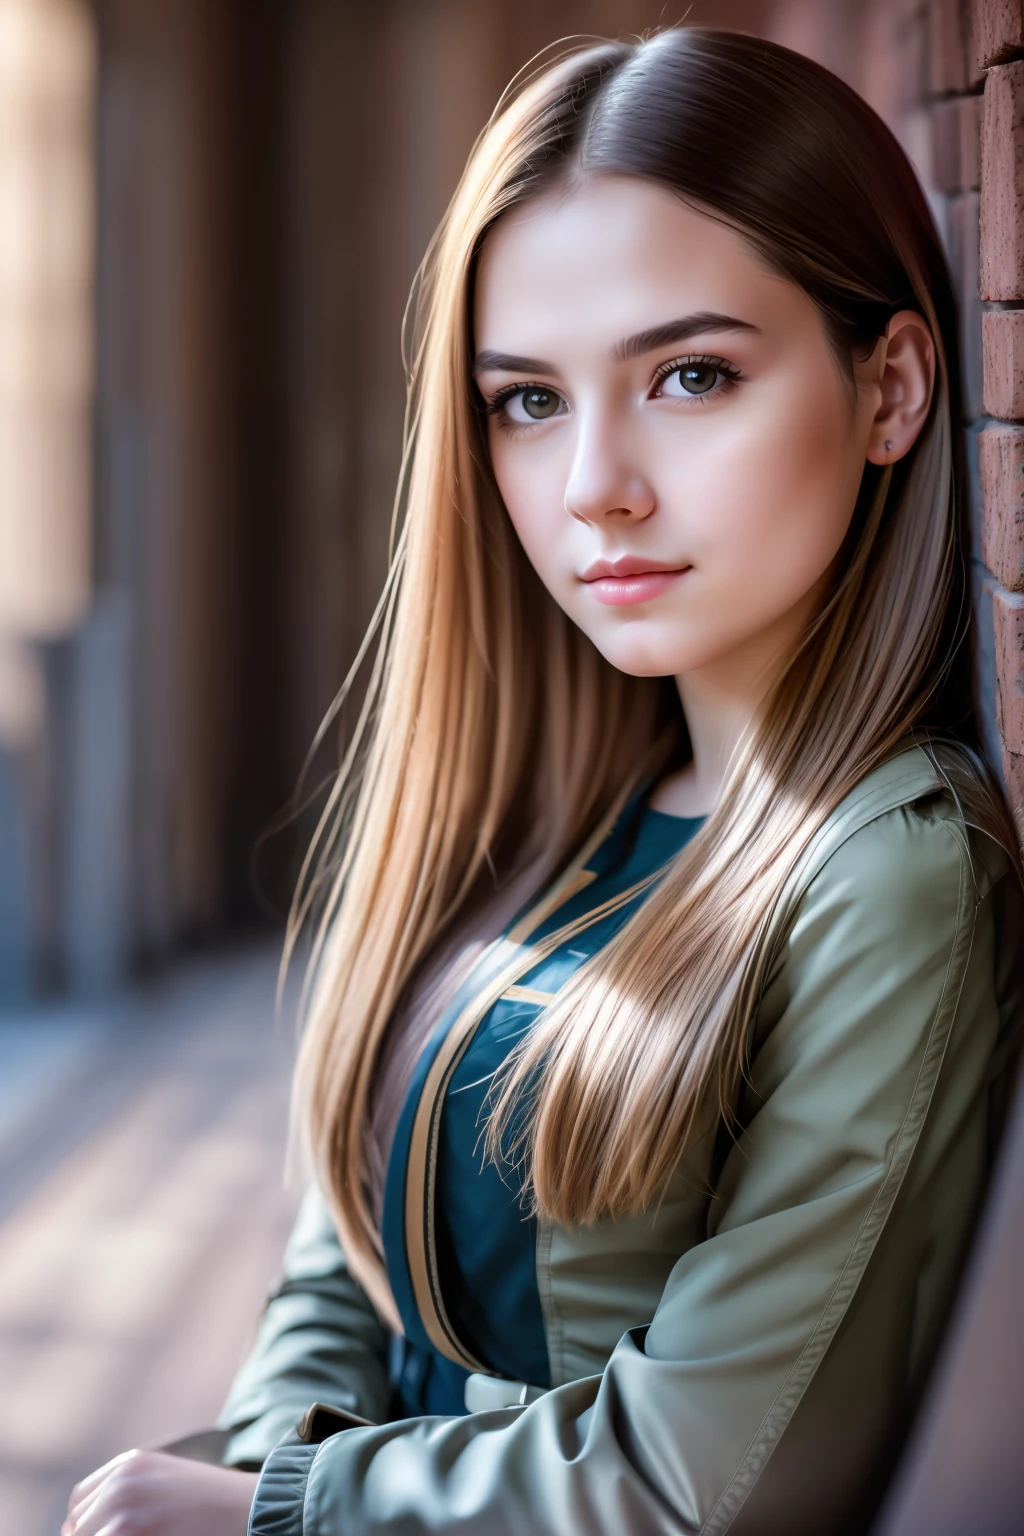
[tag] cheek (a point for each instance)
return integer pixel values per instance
(783, 485)
(532, 483)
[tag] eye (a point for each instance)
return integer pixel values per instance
(527, 403)
(690, 379)
(533, 404)
(694, 376)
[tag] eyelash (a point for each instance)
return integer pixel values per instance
(730, 376)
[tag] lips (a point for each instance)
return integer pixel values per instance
(630, 579)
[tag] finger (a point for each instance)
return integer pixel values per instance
(73, 1521)
(89, 1518)
(101, 1523)
(89, 1484)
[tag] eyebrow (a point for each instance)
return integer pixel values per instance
(632, 346)
(677, 330)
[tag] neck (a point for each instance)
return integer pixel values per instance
(720, 701)
(717, 714)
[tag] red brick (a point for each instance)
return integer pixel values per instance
(1002, 184)
(998, 27)
(948, 66)
(1013, 775)
(1002, 345)
(1001, 467)
(1008, 623)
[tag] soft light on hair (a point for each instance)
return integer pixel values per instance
(494, 736)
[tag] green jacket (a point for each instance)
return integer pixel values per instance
(746, 1357)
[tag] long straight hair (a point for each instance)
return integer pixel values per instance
(495, 737)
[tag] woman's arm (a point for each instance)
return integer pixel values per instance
(320, 1340)
(813, 1296)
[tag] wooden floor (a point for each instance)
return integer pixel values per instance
(142, 1218)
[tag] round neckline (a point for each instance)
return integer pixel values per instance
(651, 810)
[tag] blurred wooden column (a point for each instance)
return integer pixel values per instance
(383, 104)
(164, 483)
(47, 90)
(47, 65)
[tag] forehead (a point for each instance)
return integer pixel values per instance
(609, 253)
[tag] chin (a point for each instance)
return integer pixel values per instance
(660, 655)
(638, 658)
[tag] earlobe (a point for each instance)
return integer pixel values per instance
(907, 381)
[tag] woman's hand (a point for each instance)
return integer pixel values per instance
(148, 1493)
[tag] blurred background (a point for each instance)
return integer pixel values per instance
(210, 214)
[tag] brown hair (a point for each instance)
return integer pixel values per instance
(496, 737)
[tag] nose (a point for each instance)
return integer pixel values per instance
(605, 479)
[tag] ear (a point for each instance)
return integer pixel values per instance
(907, 364)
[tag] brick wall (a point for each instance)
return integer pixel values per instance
(974, 95)
(999, 54)
(963, 66)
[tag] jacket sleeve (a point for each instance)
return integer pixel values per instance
(320, 1340)
(886, 972)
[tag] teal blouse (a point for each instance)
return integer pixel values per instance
(486, 1237)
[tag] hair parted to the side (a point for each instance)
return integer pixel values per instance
(495, 736)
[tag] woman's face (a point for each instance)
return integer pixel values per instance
(677, 448)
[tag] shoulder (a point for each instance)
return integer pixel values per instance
(900, 850)
(882, 916)
(888, 951)
(908, 869)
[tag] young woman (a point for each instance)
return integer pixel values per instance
(663, 989)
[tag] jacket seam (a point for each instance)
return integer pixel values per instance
(553, 1326)
(792, 1390)
(306, 1529)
